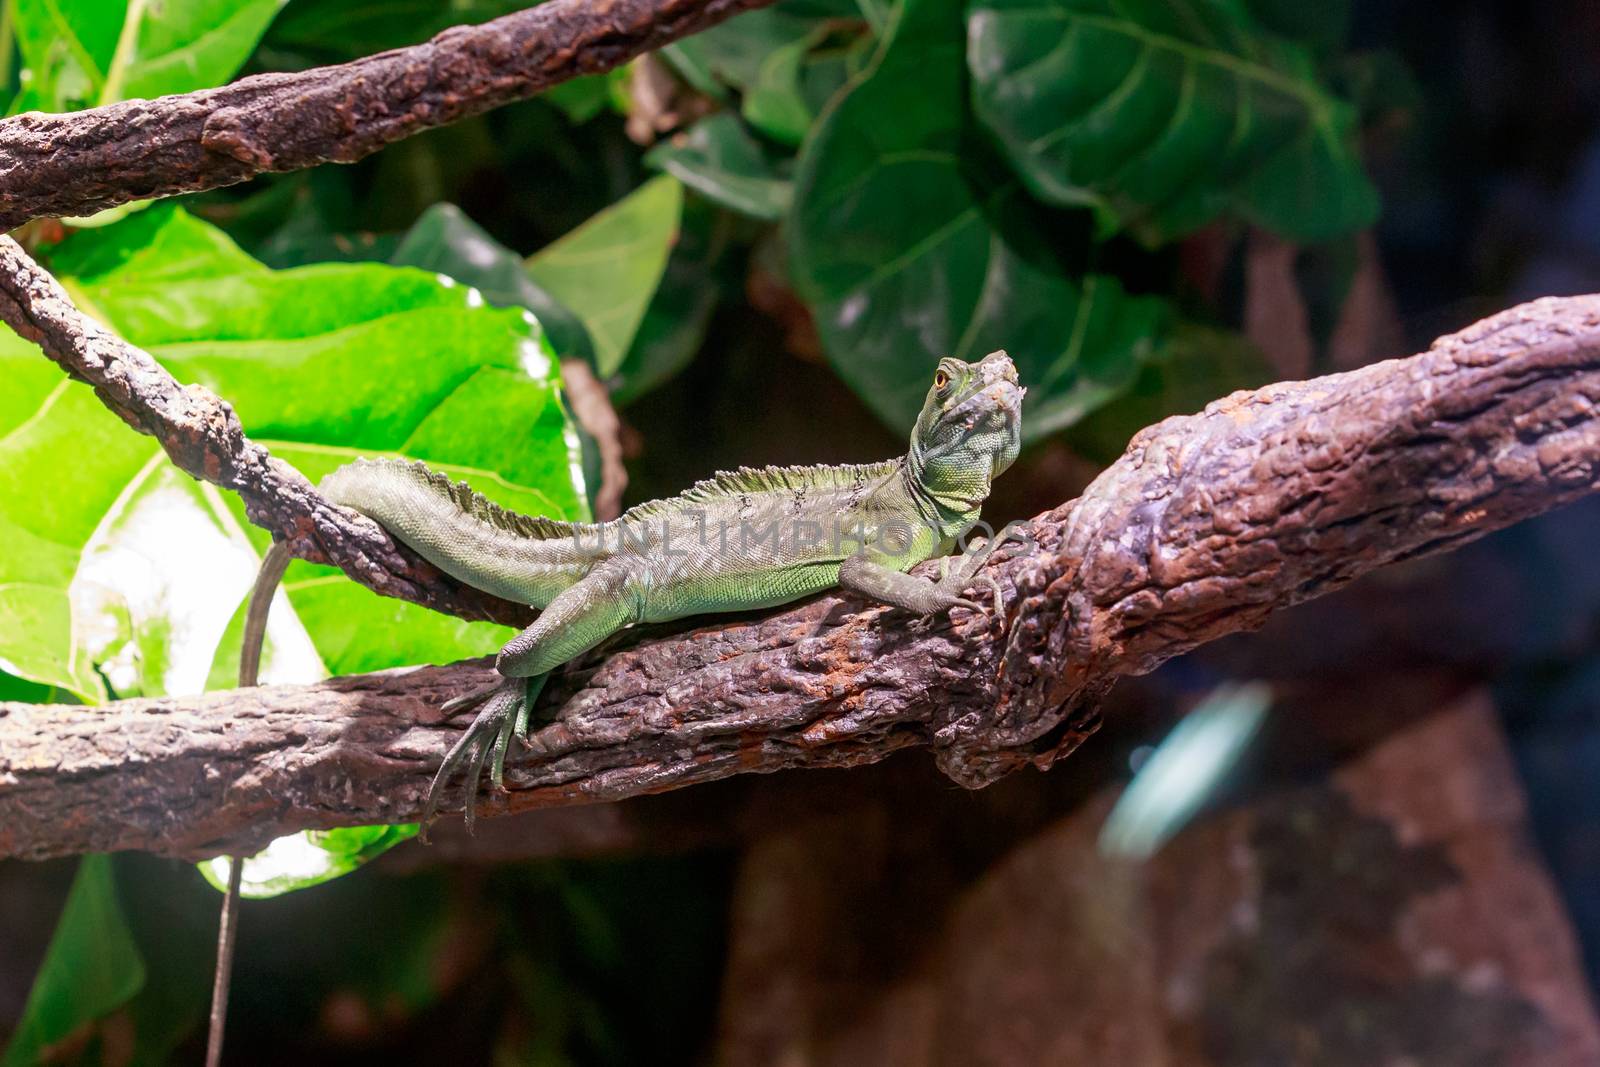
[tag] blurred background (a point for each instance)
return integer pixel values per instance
(755, 245)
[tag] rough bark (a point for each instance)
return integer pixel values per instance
(69, 165)
(1207, 525)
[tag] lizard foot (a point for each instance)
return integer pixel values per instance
(504, 714)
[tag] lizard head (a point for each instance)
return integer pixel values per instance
(970, 428)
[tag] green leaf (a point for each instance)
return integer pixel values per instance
(91, 968)
(445, 240)
(51, 509)
(581, 99)
(607, 269)
(675, 324)
(84, 53)
(776, 104)
(1162, 115)
(909, 249)
(718, 159)
(300, 861)
(23, 691)
(125, 563)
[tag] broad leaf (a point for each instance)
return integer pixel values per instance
(607, 269)
(718, 159)
(1162, 115)
(133, 568)
(698, 272)
(84, 53)
(310, 358)
(91, 968)
(776, 103)
(50, 508)
(908, 250)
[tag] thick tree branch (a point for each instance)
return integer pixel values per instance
(1205, 526)
(76, 164)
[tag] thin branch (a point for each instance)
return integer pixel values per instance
(76, 164)
(1205, 526)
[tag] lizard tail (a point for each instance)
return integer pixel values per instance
(524, 558)
(273, 564)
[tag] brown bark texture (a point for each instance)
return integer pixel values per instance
(1206, 525)
(80, 163)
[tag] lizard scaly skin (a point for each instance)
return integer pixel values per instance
(739, 541)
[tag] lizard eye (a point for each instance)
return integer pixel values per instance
(940, 380)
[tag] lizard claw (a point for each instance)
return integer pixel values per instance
(988, 581)
(485, 738)
(506, 710)
(466, 700)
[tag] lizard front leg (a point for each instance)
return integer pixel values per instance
(579, 618)
(863, 574)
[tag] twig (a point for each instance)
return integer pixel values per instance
(77, 164)
(1207, 525)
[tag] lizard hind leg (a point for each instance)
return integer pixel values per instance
(499, 708)
(579, 618)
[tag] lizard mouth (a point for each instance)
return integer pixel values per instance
(998, 384)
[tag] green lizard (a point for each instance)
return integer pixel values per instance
(739, 541)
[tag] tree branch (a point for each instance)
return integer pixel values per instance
(76, 164)
(1206, 525)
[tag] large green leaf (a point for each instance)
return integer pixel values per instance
(910, 250)
(83, 53)
(91, 968)
(607, 269)
(1162, 114)
(123, 562)
(50, 509)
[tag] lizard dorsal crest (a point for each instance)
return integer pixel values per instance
(468, 500)
(755, 481)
